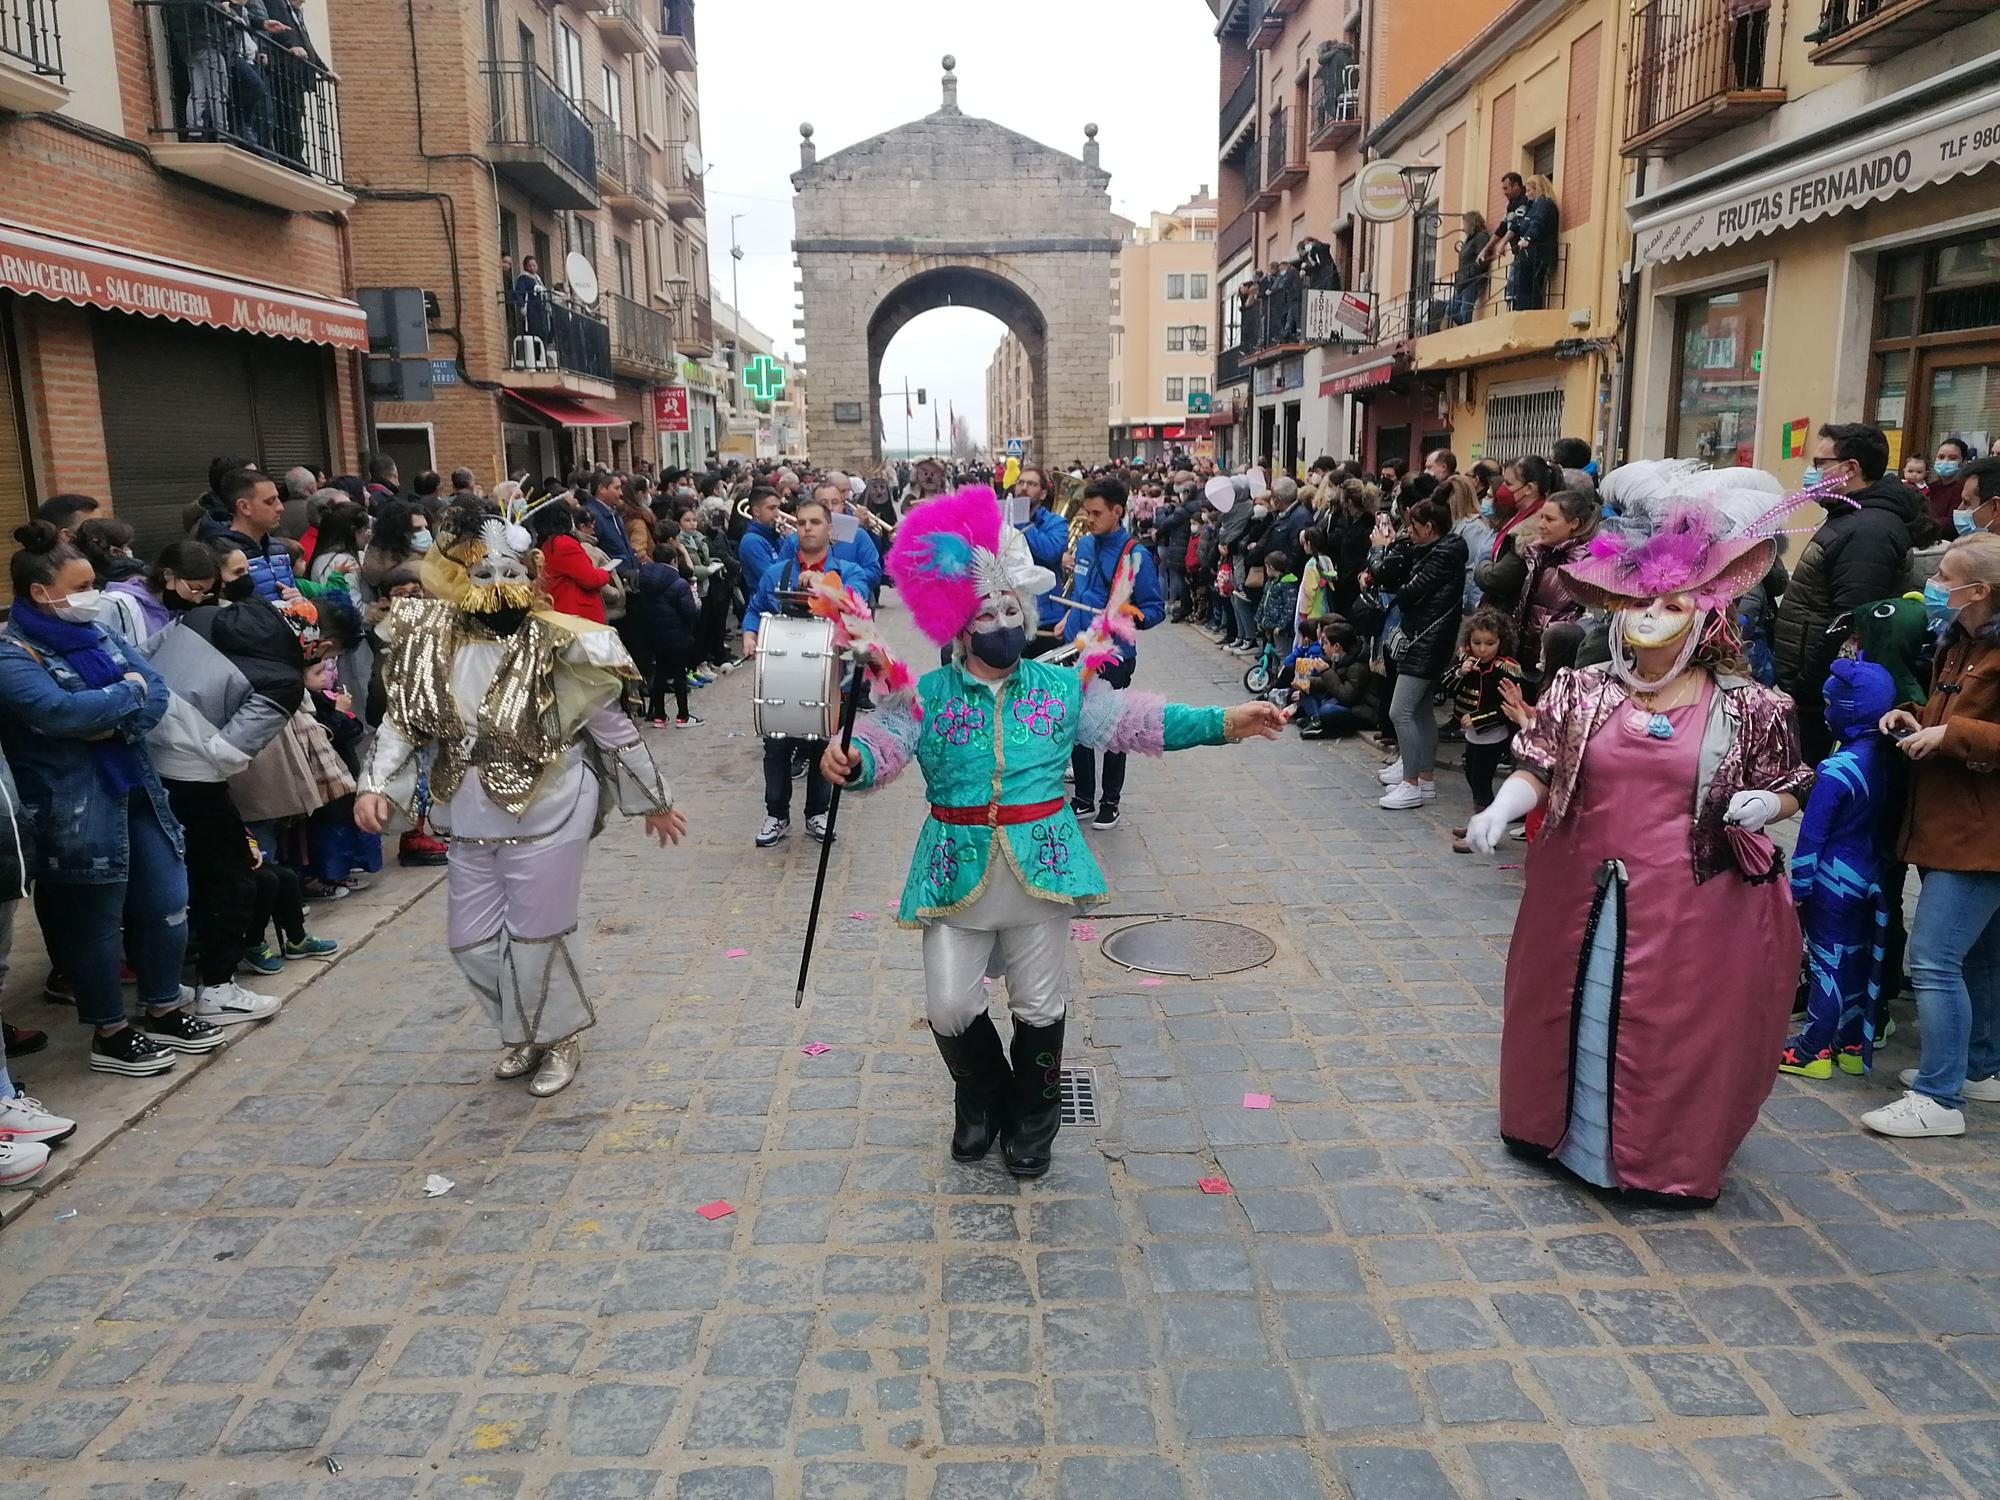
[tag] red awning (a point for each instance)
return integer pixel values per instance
(92, 275)
(1365, 378)
(566, 412)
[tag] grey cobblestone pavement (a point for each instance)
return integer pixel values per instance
(1387, 1307)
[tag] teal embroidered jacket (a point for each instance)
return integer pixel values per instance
(978, 748)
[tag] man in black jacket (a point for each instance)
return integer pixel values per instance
(1858, 555)
(1172, 525)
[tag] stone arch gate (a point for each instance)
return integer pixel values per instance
(951, 210)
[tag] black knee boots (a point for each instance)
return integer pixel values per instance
(978, 1065)
(1028, 1141)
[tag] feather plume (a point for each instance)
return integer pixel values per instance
(934, 558)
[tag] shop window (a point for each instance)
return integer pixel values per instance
(1718, 363)
(1937, 345)
(1521, 423)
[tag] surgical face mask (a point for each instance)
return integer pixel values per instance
(1811, 478)
(1938, 608)
(1945, 468)
(1486, 508)
(1259, 512)
(420, 541)
(239, 589)
(1962, 521)
(1000, 647)
(81, 607)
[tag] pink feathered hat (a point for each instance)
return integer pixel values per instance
(953, 554)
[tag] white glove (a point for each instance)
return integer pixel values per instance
(1517, 797)
(1750, 811)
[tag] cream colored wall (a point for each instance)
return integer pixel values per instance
(1819, 311)
(90, 66)
(1142, 370)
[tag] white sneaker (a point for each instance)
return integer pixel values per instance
(1390, 774)
(20, 1160)
(25, 1120)
(771, 830)
(816, 826)
(1985, 1090)
(232, 1005)
(1915, 1115)
(1404, 794)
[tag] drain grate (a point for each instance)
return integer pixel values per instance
(1079, 1096)
(1195, 947)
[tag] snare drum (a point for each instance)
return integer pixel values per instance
(797, 693)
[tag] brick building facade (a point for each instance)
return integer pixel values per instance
(489, 134)
(172, 271)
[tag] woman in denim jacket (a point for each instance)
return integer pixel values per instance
(75, 707)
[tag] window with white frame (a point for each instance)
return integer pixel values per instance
(1176, 338)
(1198, 286)
(569, 62)
(1197, 338)
(1176, 390)
(1176, 287)
(614, 98)
(1197, 383)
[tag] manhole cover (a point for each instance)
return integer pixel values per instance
(1194, 947)
(1079, 1096)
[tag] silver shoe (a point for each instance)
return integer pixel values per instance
(558, 1068)
(518, 1061)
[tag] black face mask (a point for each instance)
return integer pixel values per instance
(1000, 647)
(239, 589)
(174, 601)
(503, 621)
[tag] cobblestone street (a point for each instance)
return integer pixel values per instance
(254, 1296)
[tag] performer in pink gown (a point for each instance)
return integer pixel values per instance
(1656, 953)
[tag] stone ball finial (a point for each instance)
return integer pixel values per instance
(1090, 132)
(806, 130)
(950, 62)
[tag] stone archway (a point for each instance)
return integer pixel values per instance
(949, 210)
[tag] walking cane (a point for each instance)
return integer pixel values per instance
(849, 708)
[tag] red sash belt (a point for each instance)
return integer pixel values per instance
(995, 815)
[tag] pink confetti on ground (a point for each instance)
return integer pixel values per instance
(1256, 1101)
(815, 1049)
(737, 953)
(1083, 932)
(716, 1210)
(1213, 1186)
(1151, 984)
(1506, 867)
(860, 916)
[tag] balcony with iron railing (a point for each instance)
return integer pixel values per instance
(642, 339)
(688, 194)
(1520, 307)
(1237, 108)
(554, 344)
(31, 58)
(1866, 31)
(677, 35)
(235, 107)
(1697, 69)
(696, 323)
(1336, 103)
(1267, 24)
(540, 140)
(1232, 367)
(1285, 164)
(1293, 318)
(622, 25)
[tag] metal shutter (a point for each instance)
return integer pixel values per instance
(1523, 423)
(174, 398)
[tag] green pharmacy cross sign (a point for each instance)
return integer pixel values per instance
(764, 378)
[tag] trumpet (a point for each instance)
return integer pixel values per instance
(783, 523)
(885, 530)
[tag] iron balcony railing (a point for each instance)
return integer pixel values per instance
(1689, 56)
(677, 19)
(1511, 285)
(1230, 368)
(608, 141)
(1242, 99)
(1336, 95)
(219, 80)
(30, 33)
(548, 334)
(639, 335)
(529, 110)
(1278, 144)
(698, 317)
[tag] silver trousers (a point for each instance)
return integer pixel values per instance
(512, 926)
(1005, 933)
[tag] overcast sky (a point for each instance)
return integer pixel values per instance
(1143, 70)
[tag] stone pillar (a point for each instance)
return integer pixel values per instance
(950, 105)
(1090, 151)
(808, 152)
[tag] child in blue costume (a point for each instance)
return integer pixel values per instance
(1001, 866)
(1837, 876)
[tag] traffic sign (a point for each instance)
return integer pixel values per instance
(1016, 448)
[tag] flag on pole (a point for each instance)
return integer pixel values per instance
(909, 411)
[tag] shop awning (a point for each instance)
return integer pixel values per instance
(566, 412)
(92, 275)
(1360, 378)
(1908, 151)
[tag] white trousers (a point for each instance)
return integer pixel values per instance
(1006, 932)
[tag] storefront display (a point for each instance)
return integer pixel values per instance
(1720, 360)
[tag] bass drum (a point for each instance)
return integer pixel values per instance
(797, 692)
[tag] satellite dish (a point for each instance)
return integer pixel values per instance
(582, 279)
(691, 159)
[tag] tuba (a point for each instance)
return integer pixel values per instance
(1069, 505)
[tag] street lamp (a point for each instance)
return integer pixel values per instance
(1417, 179)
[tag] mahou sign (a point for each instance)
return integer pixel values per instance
(40, 265)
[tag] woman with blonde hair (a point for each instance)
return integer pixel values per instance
(1536, 231)
(1462, 499)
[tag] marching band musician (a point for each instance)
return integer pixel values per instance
(1048, 541)
(761, 541)
(863, 557)
(808, 553)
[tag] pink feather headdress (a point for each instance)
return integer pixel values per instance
(954, 554)
(1683, 529)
